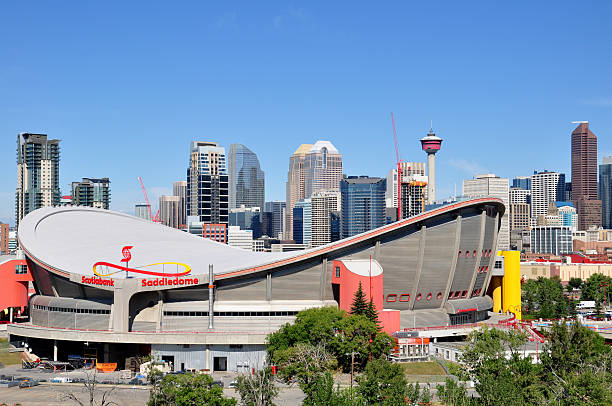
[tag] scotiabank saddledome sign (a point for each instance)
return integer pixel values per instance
(101, 269)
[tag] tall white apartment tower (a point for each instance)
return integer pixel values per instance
(546, 187)
(37, 173)
(494, 186)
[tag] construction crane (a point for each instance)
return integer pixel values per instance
(144, 191)
(399, 171)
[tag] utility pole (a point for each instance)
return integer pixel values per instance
(352, 367)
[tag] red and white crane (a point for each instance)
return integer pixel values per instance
(144, 191)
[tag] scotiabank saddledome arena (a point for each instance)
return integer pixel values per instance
(118, 286)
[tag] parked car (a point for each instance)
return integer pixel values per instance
(218, 383)
(232, 385)
(28, 383)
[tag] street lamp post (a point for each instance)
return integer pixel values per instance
(604, 285)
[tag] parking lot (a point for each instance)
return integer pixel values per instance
(124, 394)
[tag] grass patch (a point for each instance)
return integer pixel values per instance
(423, 368)
(6, 357)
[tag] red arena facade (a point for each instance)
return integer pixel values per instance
(121, 286)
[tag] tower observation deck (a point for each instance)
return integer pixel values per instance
(431, 144)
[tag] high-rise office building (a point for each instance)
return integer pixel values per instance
(554, 240)
(522, 182)
(568, 192)
(414, 195)
(408, 169)
(247, 218)
(4, 239)
(494, 186)
(295, 186)
(584, 177)
(546, 187)
(323, 203)
(567, 215)
(37, 173)
(267, 228)
(246, 179)
(518, 195)
(518, 216)
(322, 168)
(141, 210)
(302, 222)
(169, 210)
(179, 189)
(605, 192)
(91, 192)
(363, 204)
(240, 238)
(207, 184)
(277, 208)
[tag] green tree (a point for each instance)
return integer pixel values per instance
(359, 305)
(575, 283)
(592, 289)
(257, 389)
(372, 314)
(383, 383)
(335, 331)
(453, 394)
(312, 326)
(188, 390)
(493, 360)
(576, 366)
(353, 335)
(544, 298)
(304, 363)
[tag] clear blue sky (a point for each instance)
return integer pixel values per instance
(127, 85)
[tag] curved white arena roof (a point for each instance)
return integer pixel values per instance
(72, 239)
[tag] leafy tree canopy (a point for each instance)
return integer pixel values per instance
(188, 390)
(592, 288)
(338, 333)
(544, 298)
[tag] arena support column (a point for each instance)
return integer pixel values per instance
(211, 297)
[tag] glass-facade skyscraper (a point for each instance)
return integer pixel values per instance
(605, 192)
(246, 179)
(522, 182)
(277, 208)
(302, 222)
(363, 204)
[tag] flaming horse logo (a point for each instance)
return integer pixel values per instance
(127, 256)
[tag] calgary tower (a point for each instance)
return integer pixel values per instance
(431, 144)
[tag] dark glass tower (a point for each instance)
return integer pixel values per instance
(246, 179)
(363, 204)
(605, 192)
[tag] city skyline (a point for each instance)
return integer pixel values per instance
(285, 102)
